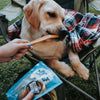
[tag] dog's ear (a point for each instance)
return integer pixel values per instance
(32, 12)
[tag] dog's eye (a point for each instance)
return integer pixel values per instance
(51, 14)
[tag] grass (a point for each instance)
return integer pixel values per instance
(10, 71)
(4, 3)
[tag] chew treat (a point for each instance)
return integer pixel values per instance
(43, 39)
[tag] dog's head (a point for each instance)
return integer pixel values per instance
(46, 16)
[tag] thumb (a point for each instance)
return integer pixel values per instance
(29, 96)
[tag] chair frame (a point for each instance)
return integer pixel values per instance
(92, 56)
(4, 27)
(4, 31)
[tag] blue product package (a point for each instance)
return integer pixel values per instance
(39, 72)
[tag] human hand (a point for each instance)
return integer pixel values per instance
(11, 49)
(30, 96)
(32, 91)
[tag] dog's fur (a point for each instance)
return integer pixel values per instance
(43, 17)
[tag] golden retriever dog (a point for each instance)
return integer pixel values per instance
(43, 17)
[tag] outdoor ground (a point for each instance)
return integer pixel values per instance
(10, 71)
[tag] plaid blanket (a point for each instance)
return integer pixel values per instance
(84, 30)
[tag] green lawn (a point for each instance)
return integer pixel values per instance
(3, 3)
(10, 71)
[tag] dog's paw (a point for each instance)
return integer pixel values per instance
(62, 67)
(69, 72)
(82, 71)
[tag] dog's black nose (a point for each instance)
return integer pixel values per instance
(62, 33)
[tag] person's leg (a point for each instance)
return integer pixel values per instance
(67, 4)
(27, 1)
(60, 92)
(79, 6)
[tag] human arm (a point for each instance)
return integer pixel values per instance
(11, 49)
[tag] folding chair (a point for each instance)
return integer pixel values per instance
(84, 56)
(77, 5)
(9, 13)
(91, 54)
(94, 3)
(14, 9)
(4, 31)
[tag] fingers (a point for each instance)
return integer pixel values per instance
(19, 55)
(23, 46)
(21, 52)
(20, 41)
(30, 96)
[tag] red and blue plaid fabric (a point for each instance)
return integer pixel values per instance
(84, 30)
(14, 31)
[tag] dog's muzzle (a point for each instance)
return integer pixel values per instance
(62, 33)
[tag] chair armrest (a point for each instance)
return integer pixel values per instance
(4, 27)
